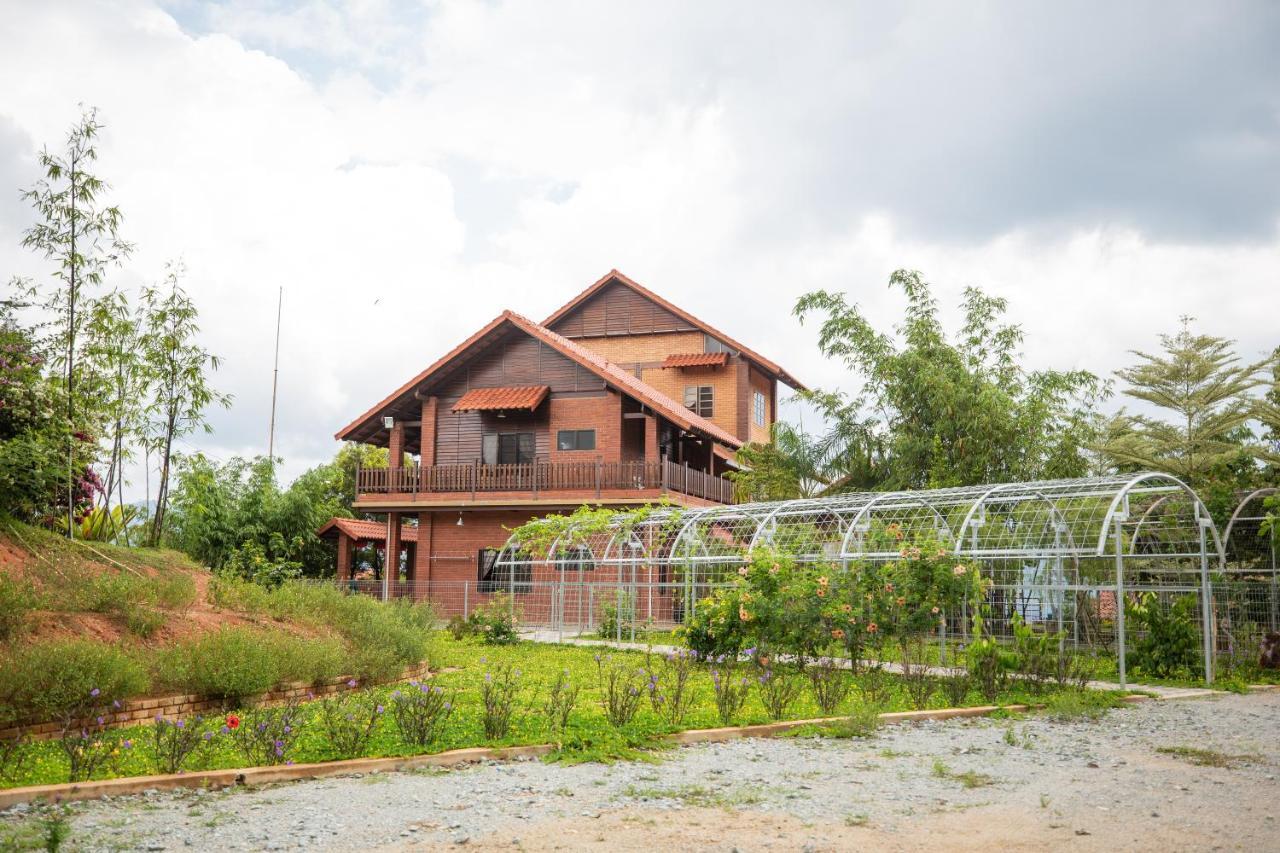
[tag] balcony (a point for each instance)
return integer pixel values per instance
(546, 480)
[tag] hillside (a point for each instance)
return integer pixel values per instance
(80, 615)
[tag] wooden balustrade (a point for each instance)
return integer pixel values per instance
(534, 477)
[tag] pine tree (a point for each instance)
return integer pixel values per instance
(1206, 391)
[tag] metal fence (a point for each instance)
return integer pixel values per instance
(1083, 614)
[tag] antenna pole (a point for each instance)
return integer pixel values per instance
(275, 381)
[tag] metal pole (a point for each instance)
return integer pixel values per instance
(387, 559)
(1206, 602)
(1120, 603)
(466, 603)
(275, 378)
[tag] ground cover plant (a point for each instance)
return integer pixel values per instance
(452, 713)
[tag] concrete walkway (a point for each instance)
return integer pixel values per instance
(546, 635)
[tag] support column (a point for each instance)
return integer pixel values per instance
(344, 557)
(422, 554)
(651, 452)
(427, 450)
(395, 447)
(391, 557)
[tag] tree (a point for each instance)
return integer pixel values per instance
(112, 349)
(81, 234)
(177, 368)
(934, 412)
(1204, 393)
(1268, 412)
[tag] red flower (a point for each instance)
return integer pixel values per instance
(233, 722)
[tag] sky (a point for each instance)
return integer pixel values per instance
(407, 170)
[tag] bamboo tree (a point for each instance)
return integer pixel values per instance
(80, 234)
(1204, 394)
(113, 348)
(177, 368)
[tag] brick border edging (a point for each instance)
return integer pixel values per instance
(68, 791)
(177, 705)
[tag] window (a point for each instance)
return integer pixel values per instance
(580, 559)
(759, 408)
(710, 344)
(508, 448)
(517, 577)
(576, 439)
(699, 399)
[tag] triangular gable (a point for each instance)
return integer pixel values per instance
(402, 399)
(618, 305)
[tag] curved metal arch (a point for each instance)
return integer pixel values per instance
(1130, 485)
(1024, 488)
(769, 519)
(880, 498)
(1248, 499)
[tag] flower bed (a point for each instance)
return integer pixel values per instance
(592, 704)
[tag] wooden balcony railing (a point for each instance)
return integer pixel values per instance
(537, 477)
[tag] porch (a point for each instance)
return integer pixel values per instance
(580, 480)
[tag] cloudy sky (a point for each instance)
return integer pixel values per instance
(407, 170)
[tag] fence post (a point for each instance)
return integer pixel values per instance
(466, 604)
(1206, 601)
(1120, 637)
(599, 472)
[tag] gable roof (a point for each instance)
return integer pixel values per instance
(707, 328)
(359, 528)
(609, 372)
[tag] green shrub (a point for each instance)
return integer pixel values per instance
(231, 664)
(50, 679)
(175, 590)
(17, 600)
(496, 621)
(1168, 642)
(309, 660)
(129, 599)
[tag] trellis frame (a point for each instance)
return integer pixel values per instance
(1147, 530)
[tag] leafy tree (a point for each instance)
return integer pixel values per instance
(33, 432)
(113, 350)
(1204, 394)
(80, 234)
(1268, 412)
(236, 517)
(936, 412)
(177, 368)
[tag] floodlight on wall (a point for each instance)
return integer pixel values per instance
(388, 421)
(459, 519)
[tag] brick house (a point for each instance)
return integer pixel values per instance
(619, 398)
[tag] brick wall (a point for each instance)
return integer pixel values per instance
(627, 350)
(137, 711)
(757, 381)
(603, 414)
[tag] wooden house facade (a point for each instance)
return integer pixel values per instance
(617, 399)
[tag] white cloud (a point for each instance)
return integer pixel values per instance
(407, 175)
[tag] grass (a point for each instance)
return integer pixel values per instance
(968, 778)
(588, 737)
(1207, 757)
(700, 796)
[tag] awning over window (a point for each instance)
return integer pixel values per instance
(697, 359)
(525, 397)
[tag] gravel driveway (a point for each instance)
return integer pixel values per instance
(961, 784)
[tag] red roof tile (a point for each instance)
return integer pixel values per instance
(359, 528)
(527, 397)
(696, 359)
(614, 275)
(611, 373)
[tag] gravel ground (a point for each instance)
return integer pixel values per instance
(1036, 784)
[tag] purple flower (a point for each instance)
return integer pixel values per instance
(115, 703)
(209, 735)
(395, 694)
(94, 693)
(101, 720)
(448, 705)
(379, 709)
(288, 729)
(226, 730)
(351, 683)
(128, 744)
(182, 724)
(289, 762)
(159, 719)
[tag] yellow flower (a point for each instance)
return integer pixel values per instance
(822, 592)
(822, 581)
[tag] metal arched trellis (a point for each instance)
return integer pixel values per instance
(1066, 551)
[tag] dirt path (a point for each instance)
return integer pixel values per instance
(1026, 784)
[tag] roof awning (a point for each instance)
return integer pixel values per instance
(727, 455)
(524, 397)
(697, 359)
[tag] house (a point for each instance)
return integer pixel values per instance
(619, 398)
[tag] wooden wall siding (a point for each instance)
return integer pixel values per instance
(618, 310)
(516, 360)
